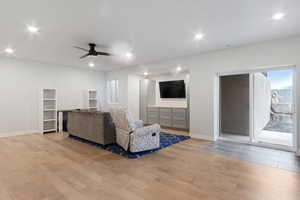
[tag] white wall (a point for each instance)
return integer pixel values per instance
(21, 82)
(203, 69)
(134, 95)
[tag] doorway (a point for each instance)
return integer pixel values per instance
(234, 107)
(258, 107)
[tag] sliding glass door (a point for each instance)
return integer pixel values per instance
(273, 107)
(258, 107)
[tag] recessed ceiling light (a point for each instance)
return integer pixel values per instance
(9, 50)
(178, 69)
(91, 64)
(198, 36)
(278, 16)
(33, 29)
(146, 73)
(128, 55)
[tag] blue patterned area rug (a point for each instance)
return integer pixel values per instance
(166, 140)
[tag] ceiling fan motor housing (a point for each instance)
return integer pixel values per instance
(92, 51)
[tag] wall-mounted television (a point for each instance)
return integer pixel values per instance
(172, 89)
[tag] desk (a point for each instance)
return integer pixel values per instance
(62, 122)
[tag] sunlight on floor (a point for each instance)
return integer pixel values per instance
(274, 137)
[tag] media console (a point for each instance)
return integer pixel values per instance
(169, 117)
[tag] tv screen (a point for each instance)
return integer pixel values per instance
(172, 89)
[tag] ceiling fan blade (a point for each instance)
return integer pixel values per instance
(81, 49)
(86, 55)
(103, 54)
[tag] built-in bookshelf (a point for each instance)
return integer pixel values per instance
(92, 99)
(49, 109)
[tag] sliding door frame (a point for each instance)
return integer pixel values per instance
(251, 72)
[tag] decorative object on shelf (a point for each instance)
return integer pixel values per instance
(49, 110)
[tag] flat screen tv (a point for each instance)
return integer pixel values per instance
(172, 89)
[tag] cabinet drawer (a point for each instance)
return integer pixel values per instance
(165, 122)
(166, 110)
(152, 115)
(153, 120)
(152, 109)
(179, 114)
(165, 113)
(179, 124)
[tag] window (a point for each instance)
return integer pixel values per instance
(113, 91)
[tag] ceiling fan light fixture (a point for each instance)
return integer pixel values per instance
(91, 52)
(91, 64)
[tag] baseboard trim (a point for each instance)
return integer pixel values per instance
(16, 133)
(202, 137)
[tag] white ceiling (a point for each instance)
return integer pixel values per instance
(155, 29)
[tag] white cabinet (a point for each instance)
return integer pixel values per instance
(48, 122)
(92, 99)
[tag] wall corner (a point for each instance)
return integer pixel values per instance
(202, 137)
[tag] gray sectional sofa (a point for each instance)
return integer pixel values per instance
(95, 126)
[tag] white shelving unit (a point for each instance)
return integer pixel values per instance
(49, 111)
(92, 99)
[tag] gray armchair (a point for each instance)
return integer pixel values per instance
(132, 135)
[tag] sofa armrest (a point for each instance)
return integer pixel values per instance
(153, 129)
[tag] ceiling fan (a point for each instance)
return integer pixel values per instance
(92, 51)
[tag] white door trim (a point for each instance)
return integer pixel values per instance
(258, 69)
(295, 135)
(251, 107)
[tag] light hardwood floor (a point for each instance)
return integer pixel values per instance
(54, 167)
(173, 131)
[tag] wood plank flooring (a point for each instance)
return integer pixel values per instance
(260, 155)
(174, 131)
(54, 167)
